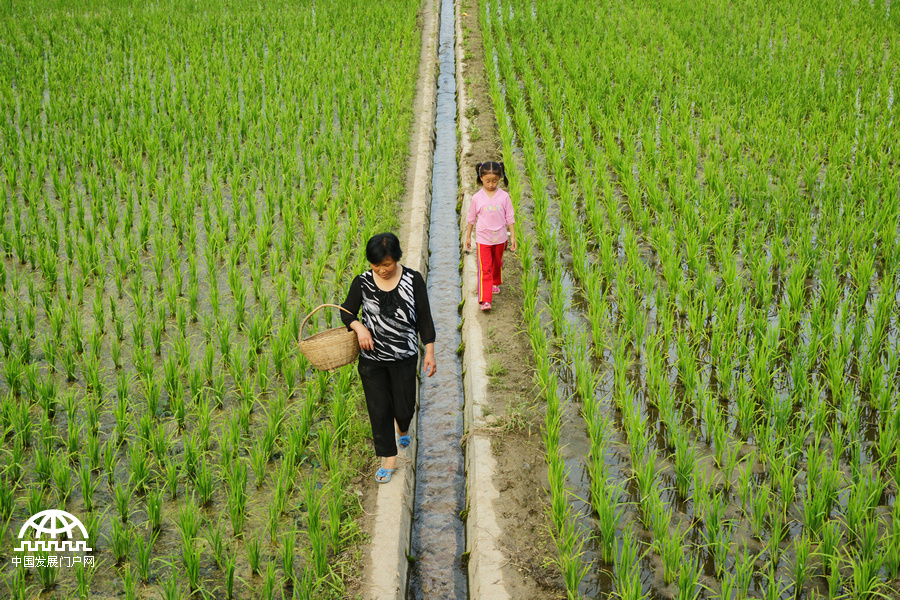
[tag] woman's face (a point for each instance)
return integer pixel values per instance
(385, 269)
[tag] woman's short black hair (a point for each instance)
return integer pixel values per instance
(382, 246)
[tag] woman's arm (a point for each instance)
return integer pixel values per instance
(353, 304)
(429, 365)
(424, 323)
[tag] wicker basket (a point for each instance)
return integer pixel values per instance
(330, 349)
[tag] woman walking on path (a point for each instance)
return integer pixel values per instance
(395, 314)
(492, 209)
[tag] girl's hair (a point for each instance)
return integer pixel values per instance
(381, 246)
(492, 168)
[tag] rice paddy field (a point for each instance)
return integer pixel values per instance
(181, 183)
(709, 209)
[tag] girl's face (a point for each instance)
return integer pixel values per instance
(385, 269)
(490, 181)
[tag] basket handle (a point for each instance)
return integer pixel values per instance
(303, 324)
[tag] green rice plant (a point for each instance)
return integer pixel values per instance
(218, 389)
(776, 536)
(216, 539)
(224, 334)
(834, 578)
(259, 461)
(744, 480)
(122, 500)
(190, 557)
(760, 509)
(229, 568)
(719, 544)
(609, 507)
(205, 483)
(154, 509)
(191, 457)
(171, 475)
(325, 449)
(254, 550)
(47, 574)
(69, 364)
(672, 554)
(743, 571)
(143, 553)
(865, 577)
(120, 541)
(626, 574)
(88, 487)
(43, 467)
(83, 578)
(268, 587)
(730, 462)
(288, 552)
(128, 582)
(62, 477)
(312, 498)
(688, 582)
(188, 522)
(237, 509)
(139, 463)
(178, 406)
(773, 589)
(685, 461)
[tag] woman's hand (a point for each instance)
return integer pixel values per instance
(362, 334)
(429, 365)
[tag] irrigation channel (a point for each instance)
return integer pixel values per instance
(438, 533)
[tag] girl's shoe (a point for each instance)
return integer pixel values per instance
(496, 289)
(485, 306)
(403, 441)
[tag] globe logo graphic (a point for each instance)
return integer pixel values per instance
(53, 523)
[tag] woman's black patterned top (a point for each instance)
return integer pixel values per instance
(395, 318)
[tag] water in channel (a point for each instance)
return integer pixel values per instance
(438, 534)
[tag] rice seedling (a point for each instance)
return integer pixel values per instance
(154, 509)
(216, 539)
(688, 582)
(120, 539)
(253, 545)
(47, 571)
(143, 553)
(288, 551)
(229, 568)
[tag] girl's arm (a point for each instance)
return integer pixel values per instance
(471, 218)
(511, 221)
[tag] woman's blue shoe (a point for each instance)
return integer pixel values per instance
(404, 441)
(383, 475)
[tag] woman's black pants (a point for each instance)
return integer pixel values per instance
(390, 390)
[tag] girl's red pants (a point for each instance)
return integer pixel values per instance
(490, 262)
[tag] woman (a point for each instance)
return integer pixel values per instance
(395, 313)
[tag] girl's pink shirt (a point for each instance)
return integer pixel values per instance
(492, 215)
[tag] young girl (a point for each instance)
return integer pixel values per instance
(395, 314)
(492, 209)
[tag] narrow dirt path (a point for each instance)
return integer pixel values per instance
(507, 536)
